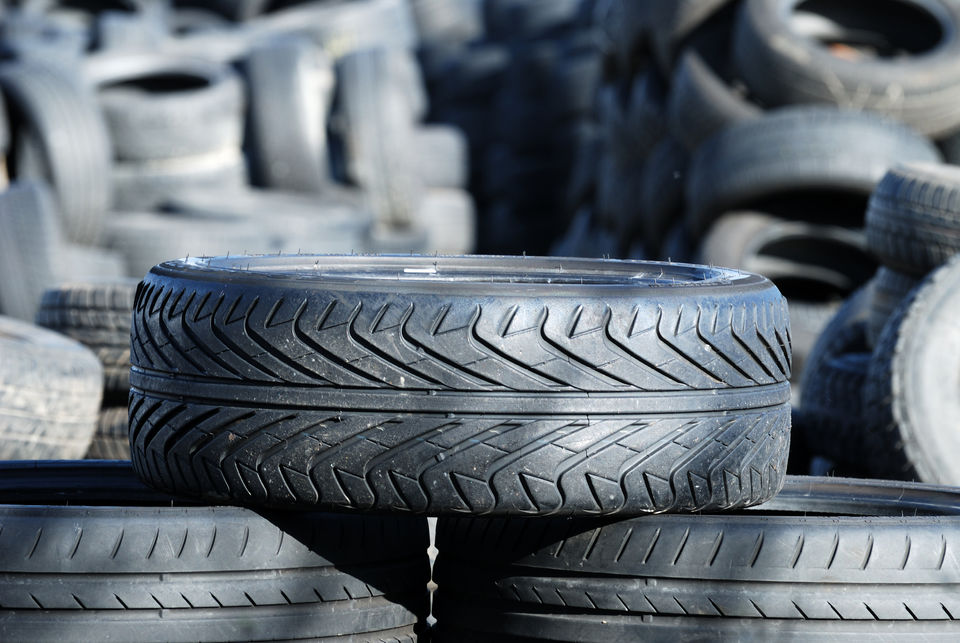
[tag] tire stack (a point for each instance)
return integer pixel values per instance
(98, 316)
(751, 133)
(518, 77)
(877, 398)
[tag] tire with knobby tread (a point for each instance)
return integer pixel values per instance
(50, 390)
(460, 384)
(913, 220)
(89, 553)
(97, 315)
(827, 558)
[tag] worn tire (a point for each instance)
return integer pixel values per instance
(795, 150)
(442, 156)
(65, 123)
(50, 389)
(459, 388)
(921, 89)
(112, 438)
(889, 289)
(674, 22)
(661, 191)
(913, 220)
(159, 107)
(829, 558)
(30, 245)
(92, 554)
(291, 89)
(96, 314)
(908, 391)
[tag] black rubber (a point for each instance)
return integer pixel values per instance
(461, 384)
(909, 391)
(797, 149)
(829, 558)
(112, 438)
(89, 553)
(160, 107)
(917, 81)
(29, 247)
(291, 89)
(701, 103)
(913, 221)
(674, 22)
(661, 191)
(50, 388)
(64, 123)
(889, 289)
(97, 315)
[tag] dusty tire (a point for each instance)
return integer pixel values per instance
(828, 558)
(908, 391)
(67, 127)
(98, 316)
(50, 389)
(913, 220)
(889, 289)
(443, 391)
(921, 88)
(795, 150)
(134, 564)
(112, 438)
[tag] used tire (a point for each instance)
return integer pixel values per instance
(161, 108)
(50, 389)
(112, 438)
(460, 384)
(98, 316)
(30, 245)
(908, 392)
(795, 150)
(93, 554)
(889, 289)
(913, 220)
(828, 558)
(917, 81)
(661, 191)
(65, 124)
(291, 90)
(442, 156)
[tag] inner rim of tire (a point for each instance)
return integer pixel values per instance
(163, 83)
(473, 269)
(857, 29)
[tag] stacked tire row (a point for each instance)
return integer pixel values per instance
(878, 398)
(751, 133)
(161, 130)
(518, 77)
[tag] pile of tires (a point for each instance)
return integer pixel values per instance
(751, 133)
(158, 130)
(877, 399)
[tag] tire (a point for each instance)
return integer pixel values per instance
(50, 389)
(619, 193)
(442, 21)
(434, 394)
(137, 565)
(147, 185)
(112, 439)
(65, 123)
(889, 289)
(98, 316)
(828, 558)
(85, 263)
(913, 220)
(907, 391)
(782, 67)
(525, 20)
(675, 22)
(794, 150)
(630, 131)
(807, 322)
(442, 157)
(702, 104)
(29, 248)
(661, 190)
(450, 221)
(378, 135)
(291, 89)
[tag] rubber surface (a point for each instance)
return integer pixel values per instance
(90, 553)
(50, 388)
(112, 438)
(913, 221)
(461, 384)
(828, 558)
(889, 289)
